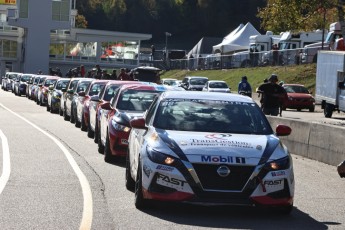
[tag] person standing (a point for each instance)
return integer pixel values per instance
(82, 71)
(153, 50)
(113, 75)
(244, 87)
(272, 96)
(123, 76)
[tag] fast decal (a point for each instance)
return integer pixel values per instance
(273, 182)
(165, 168)
(207, 101)
(170, 181)
(223, 159)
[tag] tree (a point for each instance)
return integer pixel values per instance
(297, 15)
(80, 21)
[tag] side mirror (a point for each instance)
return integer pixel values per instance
(138, 123)
(51, 87)
(70, 91)
(64, 90)
(283, 130)
(82, 94)
(40, 85)
(106, 106)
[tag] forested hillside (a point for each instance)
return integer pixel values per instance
(187, 20)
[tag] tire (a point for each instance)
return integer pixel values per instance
(312, 109)
(99, 143)
(60, 111)
(83, 127)
(72, 118)
(139, 200)
(95, 136)
(130, 183)
(65, 116)
(299, 110)
(328, 110)
(285, 210)
(77, 123)
(108, 157)
(90, 133)
(48, 108)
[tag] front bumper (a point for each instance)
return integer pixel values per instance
(196, 183)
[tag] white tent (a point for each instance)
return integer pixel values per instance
(203, 47)
(236, 41)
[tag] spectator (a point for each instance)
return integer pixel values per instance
(105, 75)
(244, 87)
(98, 72)
(40, 72)
(113, 76)
(153, 49)
(275, 54)
(58, 72)
(123, 76)
(82, 71)
(272, 96)
(69, 74)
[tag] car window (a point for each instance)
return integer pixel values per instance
(198, 81)
(96, 88)
(41, 80)
(25, 78)
(73, 84)
(110, 92)
(296, 89)
(136, 100)
(49, 82)
(62, 84)
(219, 85)
(211, 116)
(82, 86)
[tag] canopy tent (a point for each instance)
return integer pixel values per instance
(203, 47)
(236, 41)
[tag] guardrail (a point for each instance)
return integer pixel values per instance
(315, 141)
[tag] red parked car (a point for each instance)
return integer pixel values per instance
(97, 100)
(129, 102)
(83, 102)
(298, 98)
(43, 89)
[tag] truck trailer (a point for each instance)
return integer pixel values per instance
(330, 85)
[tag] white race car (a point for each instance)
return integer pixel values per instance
(209, 149)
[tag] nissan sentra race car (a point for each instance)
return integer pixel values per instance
(210, 149)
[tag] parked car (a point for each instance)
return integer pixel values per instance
(8, 79)
(95, 105)
(299, 98)
(195, 83)
(128, 102)
(72, 97)
(171, 82)
(54, 94)
(29, 84)
(34, 87)
(37, 88)
(216, 86)
(42, 95)
(209, 148)
(73, 82)
(83, 102)
(14, 80)
(146, 74)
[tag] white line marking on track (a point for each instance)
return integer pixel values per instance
(6, 163)
(85, 186)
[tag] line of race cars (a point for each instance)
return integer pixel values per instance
(204, 148)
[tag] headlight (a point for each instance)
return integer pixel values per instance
(119, 127)
(280, 164)
(159, 158)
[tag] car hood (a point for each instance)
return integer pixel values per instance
(216, 148)
(299, 95)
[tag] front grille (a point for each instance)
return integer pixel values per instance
(235, 181)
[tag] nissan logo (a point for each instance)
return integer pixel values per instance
(223, 171)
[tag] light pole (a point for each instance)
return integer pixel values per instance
(167, 34)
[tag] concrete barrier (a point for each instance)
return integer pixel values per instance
(319, 142)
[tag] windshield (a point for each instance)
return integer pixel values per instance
(61, 84)
(25, 78)
(136, 100)
(110, 92)
(171, 82)
(218, 85)
(96, 88)
(296, 89)
(41, 80)
(82, 86)
(49, 82)
(211, 116)
(198, 81)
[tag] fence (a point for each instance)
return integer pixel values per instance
(237, 60)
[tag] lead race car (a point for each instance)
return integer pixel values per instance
(210, 149)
